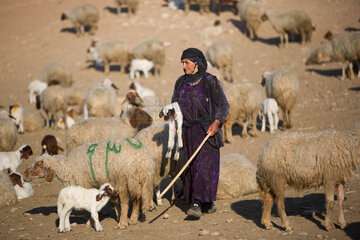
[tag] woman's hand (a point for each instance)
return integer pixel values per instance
(214, 127)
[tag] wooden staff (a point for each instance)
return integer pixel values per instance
(185, 166)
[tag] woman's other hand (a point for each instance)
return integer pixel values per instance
(214, 127)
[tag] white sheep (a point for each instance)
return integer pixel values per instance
(8, 194)
(269, 109)
(110, 52)
(237, 177)
(35, 88)
(12, 160)
(23, 189)
(140, 65)
(305, 160)
(55, 73)
(322, 54)
(209, 32)
(8, 132)
(283, 86)
(52, 100)
(16, 111)
(123, 162)
(244, 101)
(81, 16)
(131, 4)
(292, 22)
(172, 113)
(250, 15)
(79, 198)
(152, 50)
(220, 55)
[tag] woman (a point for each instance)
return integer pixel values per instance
(204, 107)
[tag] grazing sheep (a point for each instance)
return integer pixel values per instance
(140, 65)
(79, 198)
(35, 88)
(237, 177)
(52, 100)
(293, 22)
(110, 52)
(270, 109)
(345, 49)
(250, 15)
(75, 96)
(283, 86)
(306, 160)
(8, 132)
(211, 31)
(173, 114)
(8, 194)
(219, 2)
(244, 101)
(16, 113)
(204, 5)
(49, 145)
(123, 162)
(12, 160)
(322, 54)
(23, 189)
(56, 72)
(220, 55)
(152, 50)
(131, 4)
(33, 120)
(81, 16)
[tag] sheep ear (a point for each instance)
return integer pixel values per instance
(99, 197)
(161, 114)
(49, 174)
(263, 81)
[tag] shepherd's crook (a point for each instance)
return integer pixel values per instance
(185, 166)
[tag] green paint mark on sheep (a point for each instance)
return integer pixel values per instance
(134, 145)
(112, 149)
(91, 151)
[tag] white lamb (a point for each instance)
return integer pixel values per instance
(23, 189)
(16, 113)
(98, 60)
(142, 91)
(12, 160)
(35, 88)
(270, 109)
(79, 198)
(142, 65)
(172, 112)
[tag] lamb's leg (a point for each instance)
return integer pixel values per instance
(263, 122)
(303, 38)
(227, 130)
(134, 218)
(244, 133)
(95, 217)
(271, 122)
(329, 195)
(146, 74)
(62, 215)
(171, 142)
(276, 122)
(279, 198)
(340, 196)
(115, 205)
(67, 221)
(268, 200)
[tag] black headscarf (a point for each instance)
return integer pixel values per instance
(196, 56)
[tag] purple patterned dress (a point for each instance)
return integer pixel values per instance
(202, 175)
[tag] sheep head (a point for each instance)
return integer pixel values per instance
(26, 151)
(37, 170)
(16, 179)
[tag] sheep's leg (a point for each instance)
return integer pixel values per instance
(344, 64)
(186, 8)
(95, 217)
(341, 218)
(115, 205)
(284, 123)
(281, 41)
(146, 74)
(266, 209)
(303, 38)
(134, 218)
(251, 32)
(329, 195)
(279, 198)
(351, 69)
(227, 130)
(218, 8)
(124, 198)
(289, 119)
(253, 121)
(158, 199)
(78, 30)
(106, 66)
(67, 221)
(263, 122)
(271, 122)
(119, 10)
(244, 133)
(62, 215)
(286, 37)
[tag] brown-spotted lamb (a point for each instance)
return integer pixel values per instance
(8, 132)
(244, 101)
(305, 160)
(56, 72)
(204, 5)
(237, 177)
(109, 53)
(81, 16)
(52, 100)
(49, 144)
(250, 15)
(283, 86)
(292, 22)
(132, 6)
(152, 50)
(8, 195)
(123, 162)
(322, 54)
(345, 49)
(220, 55)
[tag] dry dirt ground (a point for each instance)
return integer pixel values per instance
(32, 35)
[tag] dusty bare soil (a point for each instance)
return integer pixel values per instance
(32, 35)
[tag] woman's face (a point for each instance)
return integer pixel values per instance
(189, 66)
